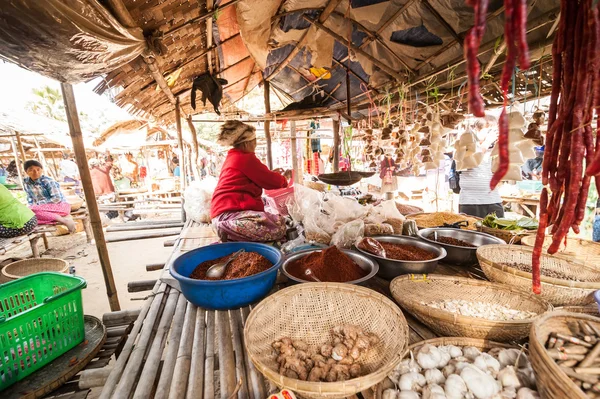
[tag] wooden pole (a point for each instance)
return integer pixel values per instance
(180, 145)
(88, 189)
(336, 145)
(21, 148)
(20, 171)
(192, 128)
(42, 158)
(294, 145)
(267, 87)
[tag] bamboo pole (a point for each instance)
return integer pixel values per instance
(18, 163)
(240, 354)
(56, 168)
(181, 371)
(143, 236)
(180, 144)
(132, 370)
(133, 227)
(88, 189)
(121, 362)
(192, 128)
(267, 95)
(196, 379)
(20, 145)
(209, 365)
(255, 379)
(336, 145)
(294, 146)
(151, 364)
(226, 357)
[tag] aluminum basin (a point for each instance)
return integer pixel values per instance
(461, 256)
(391, 268)
(361, 260)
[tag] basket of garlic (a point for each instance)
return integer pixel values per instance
(457, 368)
(466, 307)
(326, 340)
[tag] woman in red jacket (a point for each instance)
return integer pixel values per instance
(237, 209)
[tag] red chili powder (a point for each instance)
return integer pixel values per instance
(330, 265)
(405, 252)
(246, 264)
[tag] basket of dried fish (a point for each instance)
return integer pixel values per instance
(341, 178)
(465, 307)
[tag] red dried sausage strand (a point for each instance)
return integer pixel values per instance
(520, 24)
(471, 45)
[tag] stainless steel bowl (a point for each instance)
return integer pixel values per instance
(460, 255)
(361, 260)
(391, 268)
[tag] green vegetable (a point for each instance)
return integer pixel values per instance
(494, 222)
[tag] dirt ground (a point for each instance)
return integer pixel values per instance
(128, 260)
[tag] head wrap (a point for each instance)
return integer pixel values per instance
(30, 163)
(235, 132)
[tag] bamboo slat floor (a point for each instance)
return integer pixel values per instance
(177, 350)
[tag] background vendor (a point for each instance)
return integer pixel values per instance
(533, 167)
(15, 218)
(45, 198)
(237, 209)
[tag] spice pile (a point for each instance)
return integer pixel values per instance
(577, 354)
(481, 310)
(545, 272)
(246, 264)
(455, 372)
(405, 252)
(440, 219)
(329, 265)
(451, 241)
(336, 360)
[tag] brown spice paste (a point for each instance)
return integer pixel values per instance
(406, 252)
(330, 265)
(246, 264)
(452, 241)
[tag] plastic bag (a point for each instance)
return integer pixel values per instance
(373, 229)
(342, 209)
(305, 200)
(348, 234)
(372, 246)
(198, 196)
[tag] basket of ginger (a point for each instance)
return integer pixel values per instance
(326, 340)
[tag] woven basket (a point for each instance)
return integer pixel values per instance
(494, 261)
(410, 293)
(26, 267)
(437, 219)
(552, 382)
(509, 236)
(578, 248)
(308, 312)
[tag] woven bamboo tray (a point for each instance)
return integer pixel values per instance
(509, 236)
(552, 382)
(437, 219)
(410, 293)
(308, 312)
(494, 261)
(578, 248)
(27, 267)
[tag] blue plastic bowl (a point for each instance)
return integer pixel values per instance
(225, 294)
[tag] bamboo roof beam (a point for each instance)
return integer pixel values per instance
(322, 18)
(328, 95)
(200, 18)
(209, 34)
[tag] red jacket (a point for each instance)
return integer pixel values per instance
(240, 186)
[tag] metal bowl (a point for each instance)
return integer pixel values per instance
(391, 268)
(361, 260)
(460, 255)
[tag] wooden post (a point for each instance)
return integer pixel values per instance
(88, 189)
(20, 171)
(192, 128)
(267, 87)
(21, 148)
(336, 145)
(180, 145)
(294, 145)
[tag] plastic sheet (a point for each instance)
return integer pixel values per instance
(67, 40)
(348, 234)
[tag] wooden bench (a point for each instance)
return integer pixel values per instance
(8, 244)
(83, 215)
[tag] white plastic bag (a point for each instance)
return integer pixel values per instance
(348, 234)
(198, 196)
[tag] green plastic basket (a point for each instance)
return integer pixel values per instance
(41, 318)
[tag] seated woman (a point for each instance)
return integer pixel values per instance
(237, 209)
(15, 218)
(45, 198)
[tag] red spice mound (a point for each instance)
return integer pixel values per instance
(406, 252)
(330, 265)
(246, 264)
(452, 241)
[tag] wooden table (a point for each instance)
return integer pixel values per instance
(524, 202)
(178, 350)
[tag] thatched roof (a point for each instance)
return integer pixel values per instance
(415, 45)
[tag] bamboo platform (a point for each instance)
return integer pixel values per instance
(177, 350)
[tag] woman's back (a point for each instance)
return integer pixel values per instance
(475, 185)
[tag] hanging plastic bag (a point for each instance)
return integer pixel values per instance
(348, 234)
(198, 197)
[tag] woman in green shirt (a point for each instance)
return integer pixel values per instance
(16, 219)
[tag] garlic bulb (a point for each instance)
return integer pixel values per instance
(454, 351)
(526, 376)
(435, 376)
(486, 362)
(455, 387)
(526, 393)
(471, 353)
(481, 384)
(433, 391)
(448, 370)
(445, 359)
(408, 395)
(405, 366)
(508, 378)
(391, 394)
(512, 357)
(508, 393)
(411, 381)
(429, 357)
